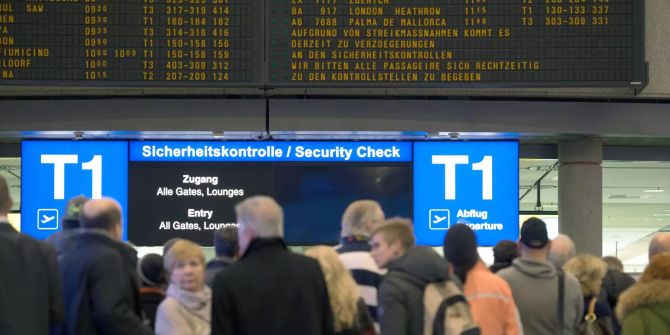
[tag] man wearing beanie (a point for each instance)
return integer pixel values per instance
(537, 285)
(490, 297)
(64, 239)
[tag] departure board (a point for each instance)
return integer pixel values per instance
(437, 43)
(131, 42)
(323, 43)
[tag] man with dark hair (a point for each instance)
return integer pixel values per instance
(99, 277)
(30, 297)
(410, 270)
(503, 254)
(64, 240)
(536, 285)
(226, 248)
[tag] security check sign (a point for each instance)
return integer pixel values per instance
(473, 183)
(55, 171)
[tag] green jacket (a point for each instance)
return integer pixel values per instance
(645, 308)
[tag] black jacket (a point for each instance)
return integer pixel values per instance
(214, 267)
(100, 288)
(269, 291)
(400, 294)
(30, 297)
(615, 282)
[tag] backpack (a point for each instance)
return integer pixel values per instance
(446, 311)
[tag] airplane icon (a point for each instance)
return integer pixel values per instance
(438, 219)
(47, 219)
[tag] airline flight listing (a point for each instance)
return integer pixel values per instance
(313, 43)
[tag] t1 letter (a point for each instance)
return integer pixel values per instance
(450, 163)
(59, 162)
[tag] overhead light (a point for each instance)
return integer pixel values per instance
(654, 190)
(661, 214)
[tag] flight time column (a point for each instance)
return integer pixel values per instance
(96, 41)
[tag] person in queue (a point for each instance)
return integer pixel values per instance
(490, 297)
(269, 290)
(358, 220)
(99, 277)
(64, 239)
(30, 295)
(187, 309)
(562, 250)
(536, 283)
(644, 309)
(410, 269)
(504, 252)
(351, 316)
(590, 271)
(660, 243)
(227, 251)
(152, 286)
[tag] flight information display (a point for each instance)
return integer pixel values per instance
(323, 43)
(456, 42)
(137, 42)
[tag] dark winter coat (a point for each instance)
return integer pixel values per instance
(100, 288)
(214, 267)
(30, 297)
(400, 294)
(615, 282)
(271, 291)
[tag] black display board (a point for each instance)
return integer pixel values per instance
(131, 42)
(437, 43)
(193, 199)
(323, 43)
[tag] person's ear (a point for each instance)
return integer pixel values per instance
(397, 248)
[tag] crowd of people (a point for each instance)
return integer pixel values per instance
(84, 280)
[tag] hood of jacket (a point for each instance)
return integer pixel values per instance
(199, 303)
(423, 264)
(654, 295)
(535, 268)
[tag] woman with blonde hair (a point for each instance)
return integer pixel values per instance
(187, 308)
(351, 316)
(644, 309)
(590, 271)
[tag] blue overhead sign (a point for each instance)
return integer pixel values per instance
(168, 151)
(55, 171)
(473, 183)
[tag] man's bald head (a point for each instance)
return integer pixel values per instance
(5, 199)
(660, 243)
(102, 214)
(562, 250)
